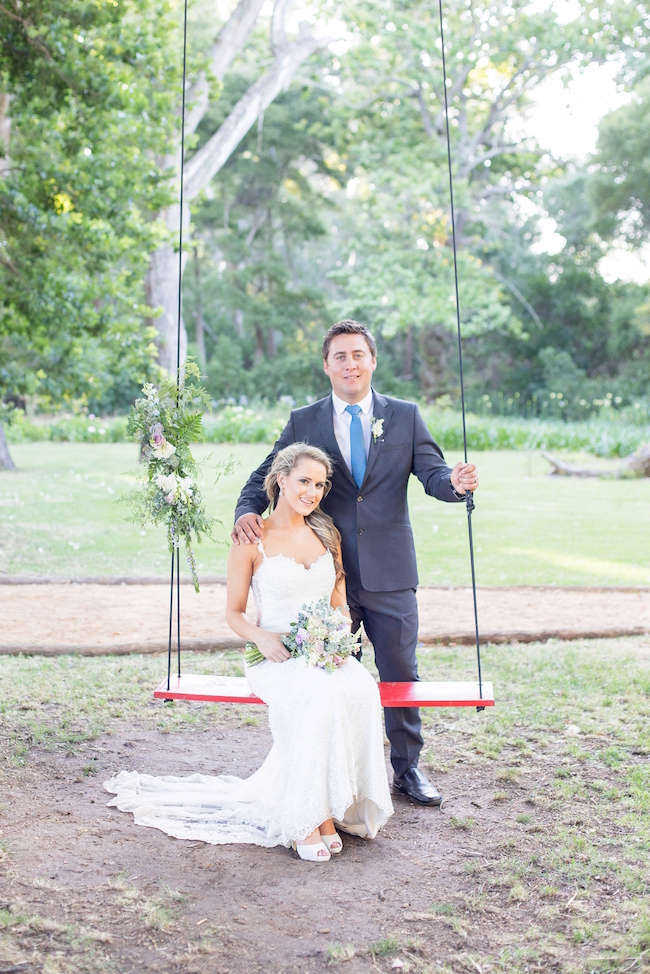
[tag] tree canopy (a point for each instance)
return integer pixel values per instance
(330, 199)
(91, 97)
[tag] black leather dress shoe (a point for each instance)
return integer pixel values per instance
(418, 787)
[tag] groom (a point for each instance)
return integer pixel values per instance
(375, 443)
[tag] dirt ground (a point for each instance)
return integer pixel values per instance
(96, 618)
(427, 893)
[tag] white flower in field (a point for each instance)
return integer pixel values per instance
(164, 451)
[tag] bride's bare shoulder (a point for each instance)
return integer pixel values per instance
(244, 555)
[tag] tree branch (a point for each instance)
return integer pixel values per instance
(258, 223)
(230, 40)
(425, 115)
(200, 169)
(278, 30)
(496, 150)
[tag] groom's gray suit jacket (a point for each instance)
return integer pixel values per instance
(377, 539)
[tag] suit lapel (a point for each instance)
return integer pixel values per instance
(381, 409)
(326, 423)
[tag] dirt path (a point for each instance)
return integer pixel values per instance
(99, 618)
(87, 891)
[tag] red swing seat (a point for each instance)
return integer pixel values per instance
(235, 689)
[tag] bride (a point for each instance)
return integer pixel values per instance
(326, 766)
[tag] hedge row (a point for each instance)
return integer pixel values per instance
(239, 424)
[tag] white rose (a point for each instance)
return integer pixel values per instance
(164, 451)
(168, 485)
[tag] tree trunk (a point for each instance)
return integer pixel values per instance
(6, 463)
(434, 342)
(198, 315)
(161, 285)
(161, 292)
(638, 463)
(207, 162)
(408, 353)
(5, 128)
(258, 355)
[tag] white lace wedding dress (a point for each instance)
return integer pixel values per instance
(327, 758)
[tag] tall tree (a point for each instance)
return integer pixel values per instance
(620, 188)
(287, 55)
(89, 92)
(390, 155)
(259, 295)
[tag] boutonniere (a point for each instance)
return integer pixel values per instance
(376, 428)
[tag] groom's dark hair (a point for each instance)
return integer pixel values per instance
(349, 327)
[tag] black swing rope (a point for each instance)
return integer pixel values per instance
(469, 499)
(176, 552)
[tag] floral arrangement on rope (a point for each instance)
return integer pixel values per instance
(165, 421)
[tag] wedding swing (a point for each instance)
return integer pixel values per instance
(235, 689)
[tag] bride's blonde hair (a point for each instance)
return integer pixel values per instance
(321, 524)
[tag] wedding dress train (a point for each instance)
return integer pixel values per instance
(327, 759)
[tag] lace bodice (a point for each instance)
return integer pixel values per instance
(281, 586)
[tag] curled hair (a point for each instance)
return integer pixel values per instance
(349, 327)
(321, 524)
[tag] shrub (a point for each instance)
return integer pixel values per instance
(68, 429)
(263, 423)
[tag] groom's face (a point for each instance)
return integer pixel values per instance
(350, 365)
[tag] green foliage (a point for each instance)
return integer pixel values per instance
(165, 421)
(246, 424)
(391, 152)
(249, 286)
(582, 337)
(335, 204)
(609, 435)
(92, 96)
(66, 429)
(621, 187)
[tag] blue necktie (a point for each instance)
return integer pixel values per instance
(357, 446)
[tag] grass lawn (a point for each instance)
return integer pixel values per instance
(58, 516)
(550, 793)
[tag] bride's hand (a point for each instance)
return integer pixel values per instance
(271, 646)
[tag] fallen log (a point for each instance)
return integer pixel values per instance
(637, 464)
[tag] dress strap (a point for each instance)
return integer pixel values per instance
(260, 547)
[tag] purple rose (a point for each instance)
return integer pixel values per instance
(302, 636)
(157, 434)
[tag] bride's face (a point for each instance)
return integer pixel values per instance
(303, 487)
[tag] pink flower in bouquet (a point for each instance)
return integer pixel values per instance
(157, 437)
(302, 636)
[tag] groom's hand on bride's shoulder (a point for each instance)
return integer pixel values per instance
(248, 529)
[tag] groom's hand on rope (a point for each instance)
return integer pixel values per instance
(464, 477)
(248, 529)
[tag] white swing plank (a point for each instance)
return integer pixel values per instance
(235, 689)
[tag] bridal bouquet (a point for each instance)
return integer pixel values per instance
(321, 635)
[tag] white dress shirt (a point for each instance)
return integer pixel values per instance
(342, 420)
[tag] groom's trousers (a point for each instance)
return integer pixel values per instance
(390, 620)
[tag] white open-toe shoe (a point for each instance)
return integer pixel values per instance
(333, 843)
(313, 852)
